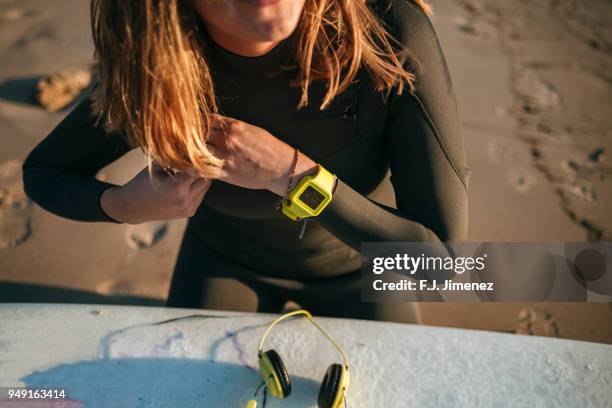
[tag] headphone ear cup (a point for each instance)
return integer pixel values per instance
(281, 372)
(330, 387)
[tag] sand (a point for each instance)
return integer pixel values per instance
(534, 88)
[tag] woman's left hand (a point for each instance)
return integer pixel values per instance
(253, 157)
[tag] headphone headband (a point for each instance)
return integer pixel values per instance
(308, 316)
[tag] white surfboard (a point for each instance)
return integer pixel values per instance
(111, 356)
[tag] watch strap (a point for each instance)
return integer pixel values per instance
(322, 183)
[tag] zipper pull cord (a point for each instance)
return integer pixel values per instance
(304, 223)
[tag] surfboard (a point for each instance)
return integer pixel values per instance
(117, 356)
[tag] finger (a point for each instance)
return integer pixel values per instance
(193, 173)
(216, 150)
(167, 172)
(217, 120)
(182, 177)
(199, 186)
(199, 200)
(198, 192)
(216, 136)
(159, 170)
(218, 129)
(196, 204)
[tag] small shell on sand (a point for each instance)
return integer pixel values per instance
(15, 220)
(536, 322)
(146, 235)
(60, 89)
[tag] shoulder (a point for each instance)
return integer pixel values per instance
(408, 23)
(405, 16)
(434, 97)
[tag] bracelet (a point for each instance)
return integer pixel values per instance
(281, 200)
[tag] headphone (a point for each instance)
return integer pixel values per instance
(332, 393)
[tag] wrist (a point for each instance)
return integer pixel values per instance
(311, 194)
(111, 204)
(304, 166)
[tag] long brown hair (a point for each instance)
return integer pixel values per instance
(155, 86)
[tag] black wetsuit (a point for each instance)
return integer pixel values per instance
(238, 251)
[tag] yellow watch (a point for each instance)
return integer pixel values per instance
(310, 196)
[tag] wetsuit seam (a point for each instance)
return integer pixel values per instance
(436, 133)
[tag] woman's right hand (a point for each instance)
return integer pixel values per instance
(161, 196)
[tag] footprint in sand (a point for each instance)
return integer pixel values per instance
(113, 287)
(15, 217)
(536, 94)
(501, 152)
(475, 26)
(582, 191)
(587, 21)
(146, 235)
(535, 322)
(15, 14)
(522, 181)
(465, 24)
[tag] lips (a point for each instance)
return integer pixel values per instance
(262, 3)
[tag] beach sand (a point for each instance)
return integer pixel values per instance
(534, 85)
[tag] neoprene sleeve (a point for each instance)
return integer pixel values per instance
(59, 174)
(426, 155)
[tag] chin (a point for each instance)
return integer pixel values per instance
(273, 31)
(270, 20)
(252, 20)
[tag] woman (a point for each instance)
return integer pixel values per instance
(237, 102)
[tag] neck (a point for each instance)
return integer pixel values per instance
(239, 46)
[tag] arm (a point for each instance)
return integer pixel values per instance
(59, 174)
(426, 155)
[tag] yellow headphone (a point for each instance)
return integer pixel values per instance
(276, 378)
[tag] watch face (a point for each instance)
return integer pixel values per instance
(311, 197)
